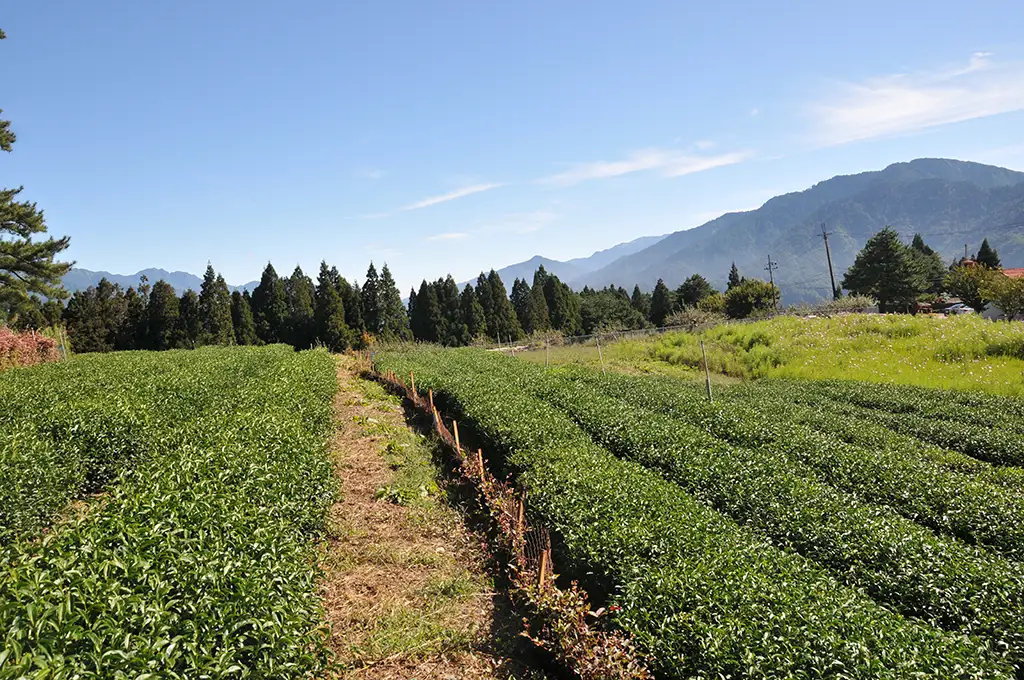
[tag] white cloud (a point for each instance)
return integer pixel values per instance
(704, 144)
(520, 223)
(448, 236)
(372, 174)
(669, 162)
(451, 196)
(755, 111)
(907, 102)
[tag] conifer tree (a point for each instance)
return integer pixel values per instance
(522, 302)
(351, 299)
(331, 329)
(541, 314)
(453, 333)
(988, 256)
(885, 269)
(693, 290)
(486, 300)
(472, 313)
(394, 322)
(661, 303)
(734, 277)
(190, 323)
(502, 324)
(371, 302)
(563, 306)
(414, 326)
(270, 307)
(641, 302)
(241, 319)
(162, 313)
(426, 321)
(299, 293)
(129, 336)
(27, 264)
(215, 310)
(94, 317)
(929, 263)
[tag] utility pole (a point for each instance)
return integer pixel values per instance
(965, 251)
(828, 255)
(770, 268)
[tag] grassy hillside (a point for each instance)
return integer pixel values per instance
(958, 352)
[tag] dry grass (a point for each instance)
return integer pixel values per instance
(407, 591)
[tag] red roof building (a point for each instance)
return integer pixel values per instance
(1017, 273)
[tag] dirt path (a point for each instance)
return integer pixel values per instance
(407, 590)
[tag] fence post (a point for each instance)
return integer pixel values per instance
(543, 568)
(545, 352)
(707, 373)
(480, 462)
(430, 395)
(599, 354)
(455, 428)
(412, 380)
(522, 515)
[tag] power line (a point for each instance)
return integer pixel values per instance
(770, 268)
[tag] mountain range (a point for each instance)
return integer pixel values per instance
(951, 203)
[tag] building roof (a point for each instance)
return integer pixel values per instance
(1017, 273)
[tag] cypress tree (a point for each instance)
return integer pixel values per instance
(371, 302)
(128, 333)
(454, 331)
(270, 307)
(693, 290)
(661, 303)
(988, 256)
(329, 317)
(541, 315)
(563, 306)
(190, 323)
(215, 310)
(351, 299)
(427, 321)
(299, 293)
(734, 277)
(414, 326)
(522, 302)
(472, 313)
(394, 322)
(641, 302)
(162, 313)
(502, 323)
(241, 319)
(94, 317)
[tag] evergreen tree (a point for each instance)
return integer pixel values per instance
(270, 307)
(661, 304)
(886, 270)
(734, 278)
(414, 326)
(641, 302)
(693, 290)
(607, 310)
(371, 302)
(190, 322)
(563, 306)
(454, 332)
(541, 314)
(94, 317)
(426, 321)
(930, 265)
(394, 322)
(988, 256)
(331, 329)
(130, 333)
(522, 302)
(241, 319)
(351, 299)
(299, 293)
(215, 310)
(502, 324)
(162, 313)
(472, 313)
(27, 263)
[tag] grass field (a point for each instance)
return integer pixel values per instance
(964, 353)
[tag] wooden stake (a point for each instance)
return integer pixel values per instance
(599, 355)
(480, 462)
(412, 381)
(545, 352)
(522, 514)
(430, 395)
(707, 373)
(543, 568)
(455, 426)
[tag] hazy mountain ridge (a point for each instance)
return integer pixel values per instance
(80, 279)
(949, 202)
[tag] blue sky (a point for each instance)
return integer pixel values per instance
(453, 136)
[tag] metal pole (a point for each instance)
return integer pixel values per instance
(707, 373)
(828, 255)
(545, 352)
(771, 276)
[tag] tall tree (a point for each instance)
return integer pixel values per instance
(190, 322)
(371, 301)
(750, 298)
(734, 277)
(130, 332)
(162, 313)
(970, 283)
(27, 264)
(215, 310)
(426, 318)
(94, 317)
(270, 307)
(988, 256)
(394, 322)
(693, 290)
(661, 303)
(299, 292)
(641, 302)
(1006, 294)
(563, 306)
(541, 314)
(472, 312)
(329, 317)
(522, 302)
(929, 264)
(351, 299)
(241, 319)
(454, 332)
(886, 270)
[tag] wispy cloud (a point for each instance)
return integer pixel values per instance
(908, 102)
(451, 196)
(372, 174)
(448, 236)
(755, 111)
(668, 162)
(520, 223)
